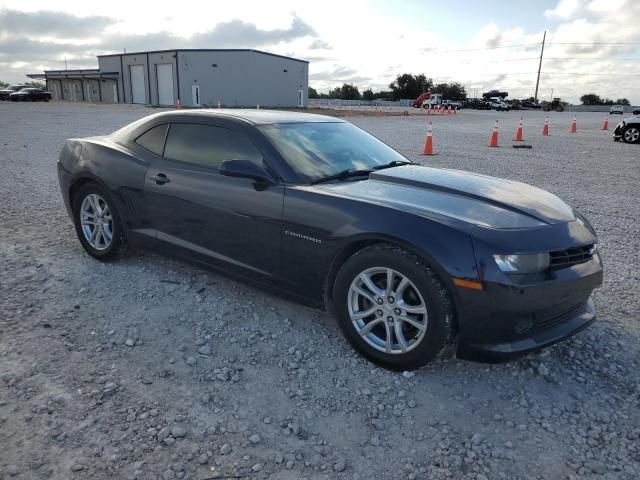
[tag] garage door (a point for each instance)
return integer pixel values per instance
(137, 84)
(164, 72)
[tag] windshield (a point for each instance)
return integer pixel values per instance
(317, 150)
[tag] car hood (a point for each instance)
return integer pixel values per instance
(462, 196)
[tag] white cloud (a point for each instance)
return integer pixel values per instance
(365, 45)
(565, 9)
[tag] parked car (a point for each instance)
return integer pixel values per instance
(531, 105)
(616, 109)
(5, 92)
(498, 105)
(476, 104)
(410, 259)
(556, 105)
(636, 111)
(628, 130)
(30, 95)
(452, 103)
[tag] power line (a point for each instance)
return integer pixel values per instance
(584, 73)
(593, 43)
(517, 45)
(427, 50)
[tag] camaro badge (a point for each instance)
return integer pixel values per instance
(303, 237)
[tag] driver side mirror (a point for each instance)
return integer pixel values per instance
(245, 169)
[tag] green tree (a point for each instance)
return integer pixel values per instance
(451, 91)
(591, 99)
(409, 86)
(367, 94)
(312, 93)
(3, 84)
(622, 101)
(35, 84)
(346, 92)
(383, 95)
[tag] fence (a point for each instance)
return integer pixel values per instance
(336, 102)
(597, 108)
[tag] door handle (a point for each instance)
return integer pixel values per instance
(160, 179)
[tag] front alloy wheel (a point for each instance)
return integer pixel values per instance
(387, 310)
(631, 134)
(392, 307)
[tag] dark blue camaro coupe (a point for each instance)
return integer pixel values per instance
(410, 259)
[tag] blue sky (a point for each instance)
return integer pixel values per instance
(363, 42)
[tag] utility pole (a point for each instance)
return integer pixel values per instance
(535, 97)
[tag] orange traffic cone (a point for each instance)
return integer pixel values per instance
(605, 124)
(455, 110)
(493, 141)
(349, 113)
(545, 129)
(429, 110)
(574, 125)
(178, 104)
(519, 136)
(428, 143)
(380, 112)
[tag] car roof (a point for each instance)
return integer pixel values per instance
(255, 116)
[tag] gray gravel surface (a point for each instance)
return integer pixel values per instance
(149, 368)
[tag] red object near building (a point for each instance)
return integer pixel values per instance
(417, 103)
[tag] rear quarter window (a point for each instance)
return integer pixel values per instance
(208, 145)
(153, 139)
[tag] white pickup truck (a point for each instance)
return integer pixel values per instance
(436, 100)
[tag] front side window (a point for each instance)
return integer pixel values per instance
(317, 150)
(153, 139)
(207, 145)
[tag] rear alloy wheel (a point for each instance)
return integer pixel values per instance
(392, 308)
(97, 222)
(631, 134)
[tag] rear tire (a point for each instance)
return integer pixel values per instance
(97, 222)
(400, 328)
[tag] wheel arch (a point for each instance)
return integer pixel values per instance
(358, 244)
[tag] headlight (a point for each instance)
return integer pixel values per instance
(530, 263)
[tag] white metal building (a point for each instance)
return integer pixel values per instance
(195, 77)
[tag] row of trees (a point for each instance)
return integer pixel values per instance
(404, 86)
(593, 99)
(31, 83)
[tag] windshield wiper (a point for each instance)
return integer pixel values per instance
(394, 163)
(343, 175)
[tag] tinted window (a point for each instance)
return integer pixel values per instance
(207, 145)
(316, 150)
(153, 140)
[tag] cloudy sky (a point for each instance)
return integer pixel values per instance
(593, 45)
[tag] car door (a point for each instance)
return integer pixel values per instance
(229, 222)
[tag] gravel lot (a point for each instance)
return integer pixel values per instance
(149, 368)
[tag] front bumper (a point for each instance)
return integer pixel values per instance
(560, 328)
(617, 132)
(514, 315)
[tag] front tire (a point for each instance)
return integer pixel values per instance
(392, 307)
(97, 222)
(631, 134)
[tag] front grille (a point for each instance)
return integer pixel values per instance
(571, 256)
(548, 322)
